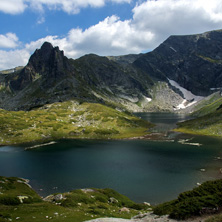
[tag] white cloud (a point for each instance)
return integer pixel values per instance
(69, 6)
(109, 37)
(169, 17)
(13, 58)
(10, 40)
(152, 22)
(121, 1)
(12, 6)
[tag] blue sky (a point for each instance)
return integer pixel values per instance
(104, 27)
(33, 24)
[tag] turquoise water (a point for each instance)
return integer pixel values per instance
(143, 170)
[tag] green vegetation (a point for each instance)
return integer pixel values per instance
(12, 187)
(74, 206)
(205, 199)
(217, 218)
(69, 120)
(216, 61)
(9, 71)
(208, 106)
(209, 123)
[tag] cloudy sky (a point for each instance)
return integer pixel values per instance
(104, 27)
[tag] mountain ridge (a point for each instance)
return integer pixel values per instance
(50, 72)
(133, 82)
(193, 61)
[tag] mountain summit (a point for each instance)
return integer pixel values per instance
(46, 62)
(193, 61)
(49, 61)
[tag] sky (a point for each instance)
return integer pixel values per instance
(103, 27)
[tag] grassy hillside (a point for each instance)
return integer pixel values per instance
(19, 202)
(208, 123)
(68, 120)
(74, 206)
(208, 105)
(203, 200)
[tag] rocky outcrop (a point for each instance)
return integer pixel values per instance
(193, 61)
(147, 217)
(48, 63)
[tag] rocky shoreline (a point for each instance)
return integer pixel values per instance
(148, 217)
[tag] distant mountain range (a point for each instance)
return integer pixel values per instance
(177, 74)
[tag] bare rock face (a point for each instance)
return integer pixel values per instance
(193, 61)
(50, 77)
(47, 62)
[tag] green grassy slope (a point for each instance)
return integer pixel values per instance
(68, 120)
(74, 206)
(205, 199)
(208, 106)
(208, 123)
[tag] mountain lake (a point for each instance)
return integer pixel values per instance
(143, 170)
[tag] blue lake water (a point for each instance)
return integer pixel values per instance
(152, 171)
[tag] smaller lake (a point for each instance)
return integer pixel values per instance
(163, 121)
(152, 171)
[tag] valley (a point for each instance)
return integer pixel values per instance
(171, 78)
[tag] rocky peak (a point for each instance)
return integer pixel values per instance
(47, 60)
(41, 55)
(47, 46)
(48, 63)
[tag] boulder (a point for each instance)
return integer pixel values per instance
(113, 200)
(124, 209)
(58, 197)
(21, 198)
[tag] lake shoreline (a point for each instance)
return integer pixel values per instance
(142, 162)
(40, 143)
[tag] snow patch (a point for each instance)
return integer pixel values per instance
(215, 89)
(184, 104)
(173, 49)
(148, 99)
(189, 97)
(187, 94)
